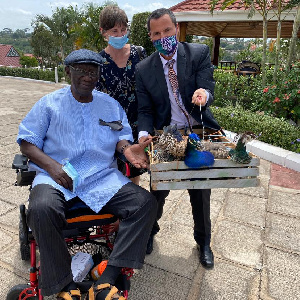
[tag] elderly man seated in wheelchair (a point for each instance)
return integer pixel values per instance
(70, 137)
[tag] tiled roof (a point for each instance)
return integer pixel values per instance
(6, 60)
(204, 5)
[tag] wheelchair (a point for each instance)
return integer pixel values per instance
(86, 232)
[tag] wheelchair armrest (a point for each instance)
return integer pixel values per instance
(121, 157)
(20, 162)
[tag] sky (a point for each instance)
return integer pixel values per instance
(18, 14)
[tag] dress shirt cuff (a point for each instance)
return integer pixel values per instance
(207, 96)
(142, 133)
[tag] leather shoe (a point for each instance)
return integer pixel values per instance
(206, 256)
(149, 248)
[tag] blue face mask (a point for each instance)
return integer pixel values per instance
(118, 42)
(167, 45)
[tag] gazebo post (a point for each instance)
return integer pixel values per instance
(182, 31)
(216, 50)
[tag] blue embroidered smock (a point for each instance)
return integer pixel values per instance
(64, 128)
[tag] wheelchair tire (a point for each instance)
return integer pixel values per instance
(15, 291)
(23, 236)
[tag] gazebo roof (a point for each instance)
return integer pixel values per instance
(233, 22)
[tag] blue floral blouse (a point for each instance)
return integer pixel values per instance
(119, 83)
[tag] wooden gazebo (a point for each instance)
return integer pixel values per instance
(194, 18)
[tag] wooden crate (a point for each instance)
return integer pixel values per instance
(224, 173)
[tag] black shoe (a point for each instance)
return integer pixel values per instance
(149, 248)
(206, 257)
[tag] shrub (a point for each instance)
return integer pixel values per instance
(28, 61)
(282, 99)
(244, 91)
(271, 130)
(38, 74)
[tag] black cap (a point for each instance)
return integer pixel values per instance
(83, 56)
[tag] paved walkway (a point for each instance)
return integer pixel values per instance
(255, 234)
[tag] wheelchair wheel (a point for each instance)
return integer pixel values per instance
(23, 235)
(15, 291)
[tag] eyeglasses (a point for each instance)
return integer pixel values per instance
(81, 72)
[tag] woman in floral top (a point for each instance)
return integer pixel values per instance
(118, 67)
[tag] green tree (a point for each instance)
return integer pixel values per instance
(61, 26)
(139, 32)
(279, 7)
(43, 43)
(88, 33)
(263, 8)
(294, 38)
(28, 61)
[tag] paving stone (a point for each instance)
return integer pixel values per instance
(239, 243)
(9, 279)
(280, 278)
(8, 175)
(182, 213)
(264, 168)
(6, 238)
(11, 219)
(177, 253)
(281, 176)
(15, 194)
(283, 232)
(11, 148)
(5, 207)
(154, 283)
(228, 281)
(7, 159)
(284, 202)
(260, 191)
(247, 209)
(174, 199)
(12, 256)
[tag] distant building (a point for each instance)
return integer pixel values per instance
(9, 57)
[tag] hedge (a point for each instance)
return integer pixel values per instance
(274, 131)
(38, 74)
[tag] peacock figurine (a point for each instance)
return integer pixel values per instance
(194, 158)
(239, 154)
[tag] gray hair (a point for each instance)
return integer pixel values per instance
(156, 14)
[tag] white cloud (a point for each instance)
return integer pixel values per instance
(131, 10)
(22, 11)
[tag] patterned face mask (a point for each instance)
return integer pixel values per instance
(166, 45)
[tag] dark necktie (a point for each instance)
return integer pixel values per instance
(175, 89)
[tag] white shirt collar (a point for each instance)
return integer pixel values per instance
(164, 61)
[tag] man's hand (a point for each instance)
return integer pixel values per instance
(60, 176)
(136, 155)
(47, 163)
(199, 97)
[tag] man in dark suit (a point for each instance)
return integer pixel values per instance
(159, 105)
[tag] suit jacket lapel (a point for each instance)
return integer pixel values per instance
(181, 66)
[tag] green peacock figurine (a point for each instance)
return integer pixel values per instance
(239, 154)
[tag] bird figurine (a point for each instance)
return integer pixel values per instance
(194, 158)
(172, 141)
(239, 154)
(219, 150)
